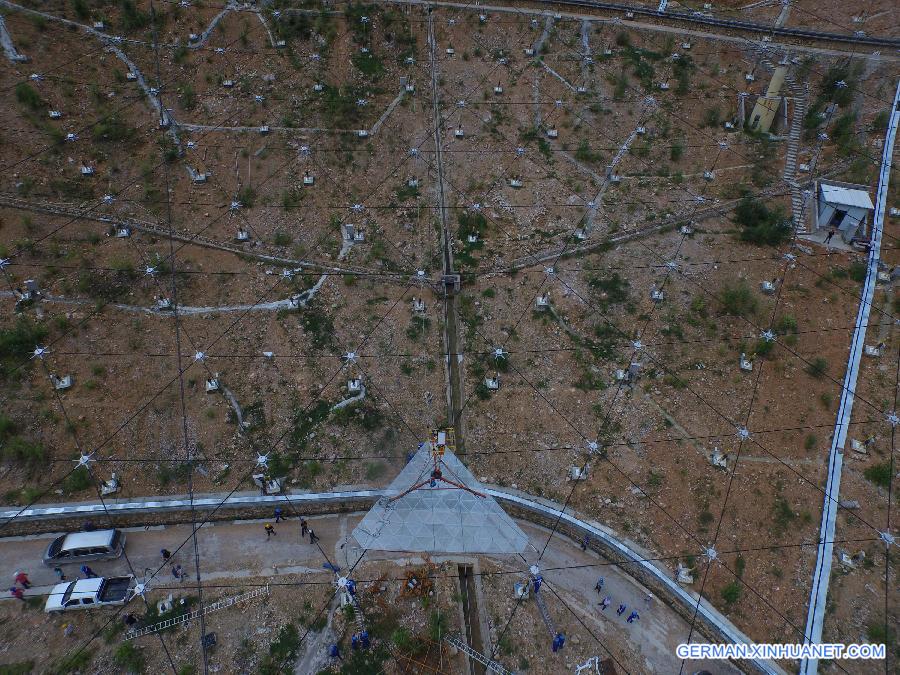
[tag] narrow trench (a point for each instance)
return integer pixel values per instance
(470, 616)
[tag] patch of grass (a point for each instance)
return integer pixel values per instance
(375, 470)
(72, 663)
(129, 658)
(282, 238)
(305, 422)
(817, 367)
(29, 96)
(878, 633)
(317, 325)
(731, 593)
(783, 515)
(738, 299)
(247, 196)
(17, 344)
(368, 64)
(406, 643)
(611, 290)
(857, 271)
(77, 481)
(437, 625)
(173, 472)
(880, 474)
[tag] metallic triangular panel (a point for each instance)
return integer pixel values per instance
(440, 519)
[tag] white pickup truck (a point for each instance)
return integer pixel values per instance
(85, 593)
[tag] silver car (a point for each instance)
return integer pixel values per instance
(83, 546)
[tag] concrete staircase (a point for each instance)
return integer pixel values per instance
(799, 95)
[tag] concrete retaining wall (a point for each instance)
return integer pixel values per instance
(155, 511)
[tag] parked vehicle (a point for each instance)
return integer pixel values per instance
(86, 593)
(80, 547)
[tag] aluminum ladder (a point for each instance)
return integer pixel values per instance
(545, 615)
(488, 663)
(203, 611)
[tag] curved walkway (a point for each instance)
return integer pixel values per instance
(247, 505)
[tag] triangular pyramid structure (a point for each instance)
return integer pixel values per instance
(438, 517)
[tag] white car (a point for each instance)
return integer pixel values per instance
(86, 593)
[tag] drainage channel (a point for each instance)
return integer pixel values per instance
(470, 616)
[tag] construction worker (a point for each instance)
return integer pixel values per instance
(270, 530)
(558, 642)
(303, 528)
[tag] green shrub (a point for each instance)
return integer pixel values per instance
(28, 96)
(614, 288)
(880, 474)
(81, 9)
(129, 658)
(761, 225)
(17, 344)
(407, 643)
(247, 196)
(858, 271)
(783, 514)
(7, 427)
(24, 452)
(738, 299)
(285, 646)
(731, 593)
(712, 117)
(437, 625)
(817, 367)
(132, 18)
(77, 481)
(72, 663)
(282, 239)
(374, 470)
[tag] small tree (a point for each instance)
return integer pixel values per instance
(731, 593)
(761, 225)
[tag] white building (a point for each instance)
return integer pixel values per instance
(843, 206)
